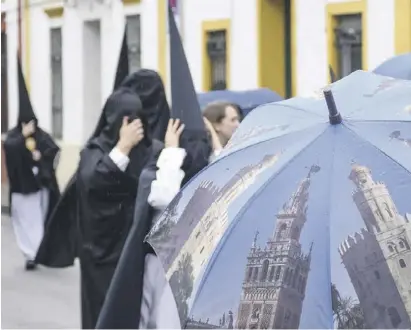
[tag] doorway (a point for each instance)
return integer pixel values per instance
(91, 75)
(4, 80)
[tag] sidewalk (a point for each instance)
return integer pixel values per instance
(5, 209)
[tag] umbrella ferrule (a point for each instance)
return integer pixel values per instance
(334, 115)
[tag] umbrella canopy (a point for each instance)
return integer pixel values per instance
(304, 220)
(246, 100)
(398, 67)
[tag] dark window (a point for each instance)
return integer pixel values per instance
(278, 273)
(264, 271)
(255, 274)
(134, 42)
(402, 263)
(348, 41)
(217, 54)
(249, 274)
(56, 83)
(377, 275)
(271, 276)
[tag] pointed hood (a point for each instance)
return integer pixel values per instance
(333, 76)
(26, 112)
(185, 104)
(122, 66)
(121, 74)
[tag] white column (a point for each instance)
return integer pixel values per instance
(381, 31)
(12, 44)
(73, 124)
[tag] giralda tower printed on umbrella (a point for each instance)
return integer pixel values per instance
(305, 219)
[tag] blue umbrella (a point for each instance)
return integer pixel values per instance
(246, 100)
(398, 67)
(304, 221)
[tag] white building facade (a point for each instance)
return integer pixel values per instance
(70, 49)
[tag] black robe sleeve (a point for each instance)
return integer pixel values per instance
(106, 199)
(18, 161)
(121, 309)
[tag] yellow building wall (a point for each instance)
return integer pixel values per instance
(402, 26)
(271, 37)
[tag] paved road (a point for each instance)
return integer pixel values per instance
(43, 299)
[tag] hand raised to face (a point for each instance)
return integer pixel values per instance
(174, 131)
(130, 135)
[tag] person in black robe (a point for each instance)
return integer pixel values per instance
(94, 216)
(107, 183)
(31, 159)
(139, 295)
(59, 246)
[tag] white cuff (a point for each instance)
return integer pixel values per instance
(217, 152)
(120, 159)
(171, 157)
(214, 155)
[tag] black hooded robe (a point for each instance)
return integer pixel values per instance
(106, 197)
(128, 291)
(106, 203)
(31, 183)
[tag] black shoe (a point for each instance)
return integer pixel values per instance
(30, 265)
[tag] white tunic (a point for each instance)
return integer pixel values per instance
(28, 213)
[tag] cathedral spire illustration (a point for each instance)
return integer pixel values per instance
(275, 279)
(378, 258)
(212, 225)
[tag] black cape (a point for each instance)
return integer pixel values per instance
(121, 309)
(105, 197)
(58, 249)
(19, 162)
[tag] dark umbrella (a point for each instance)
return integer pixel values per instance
(246, 100)
(398, 67)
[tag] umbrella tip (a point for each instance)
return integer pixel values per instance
(334, 115)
